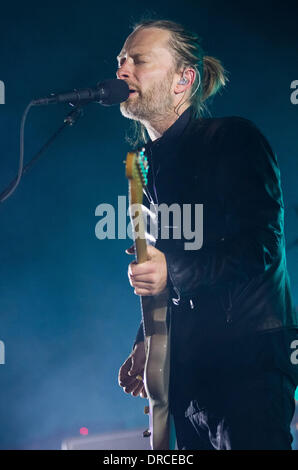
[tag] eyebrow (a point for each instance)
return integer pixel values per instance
(136, 55)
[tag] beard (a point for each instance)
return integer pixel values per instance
(151, 105)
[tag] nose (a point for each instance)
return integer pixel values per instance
(123, 71)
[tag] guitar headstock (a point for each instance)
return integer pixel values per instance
(136, 171)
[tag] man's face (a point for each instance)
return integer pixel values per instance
(147, 66)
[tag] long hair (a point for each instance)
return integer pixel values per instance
(187, 52)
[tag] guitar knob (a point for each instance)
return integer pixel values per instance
(146, 433)
(146, 410)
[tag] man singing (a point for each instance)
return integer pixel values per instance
(233, 322)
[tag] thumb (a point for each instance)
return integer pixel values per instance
(130, 250)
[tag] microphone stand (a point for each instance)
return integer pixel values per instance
(70, 120)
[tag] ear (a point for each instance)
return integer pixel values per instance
(189, 74)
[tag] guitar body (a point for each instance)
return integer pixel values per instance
(157, 369)
(156, 323)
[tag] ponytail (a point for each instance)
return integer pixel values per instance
(214, 77)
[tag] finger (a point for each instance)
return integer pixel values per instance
(136, 369)
(137, 390)
(145, 268)
(136, 375)
(123, 371)
(130, 388)
(126, 381)
(146, 278)
(143, 292)
(142, 285)
(143, 392)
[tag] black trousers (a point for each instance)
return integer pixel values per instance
(246, 402)
(250, 414)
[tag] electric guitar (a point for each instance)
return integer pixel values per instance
(154, 315)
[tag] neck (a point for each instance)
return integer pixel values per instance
(157, 126)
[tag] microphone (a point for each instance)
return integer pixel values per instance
(106, 93)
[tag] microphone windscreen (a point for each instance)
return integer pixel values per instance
(113, 91)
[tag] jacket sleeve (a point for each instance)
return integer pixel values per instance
(248, 184)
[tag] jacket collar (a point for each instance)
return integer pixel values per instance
(172, 134)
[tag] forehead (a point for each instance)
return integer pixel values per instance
(150, 40)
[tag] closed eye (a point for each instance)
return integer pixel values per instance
(136, 60)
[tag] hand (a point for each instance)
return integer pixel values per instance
(130, 369)
(149, 278)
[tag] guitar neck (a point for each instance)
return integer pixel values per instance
(141, 250)
(136, 172)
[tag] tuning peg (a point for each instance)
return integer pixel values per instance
(146, 410)
(146, 433)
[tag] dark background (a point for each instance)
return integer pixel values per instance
(68, 315)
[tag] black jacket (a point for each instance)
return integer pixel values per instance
(237, 283)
